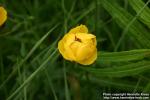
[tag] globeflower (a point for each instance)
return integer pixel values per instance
(78, 45)
(3, 16)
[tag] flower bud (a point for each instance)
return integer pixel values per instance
(3, 16)
(79, 46)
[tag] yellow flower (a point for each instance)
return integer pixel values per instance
(78, 45)
(3, 16)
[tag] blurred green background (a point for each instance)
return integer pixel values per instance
(31, 68)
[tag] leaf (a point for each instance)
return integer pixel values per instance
(123, 18)
(147, 88)
(115, 83)
(28, 55)
(145, 15)
(39, 69)
(123, 56)
(120, 71)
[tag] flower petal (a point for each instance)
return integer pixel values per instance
(69, 39)
(64, 47)
(83, 52)
(75, 46)
(84, 36)
(3, 15)
(89, 60)
(79, 29)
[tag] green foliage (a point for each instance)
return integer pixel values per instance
(145, 15)
(123, 56)
(122, 70)
(31, 66)
(127, 21)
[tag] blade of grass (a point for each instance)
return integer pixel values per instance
(67, 94)
(2, 75)
(15, 28)
(25, 88)
(122, 84)
(28, 55)
(40, 68)
(86, 12)
(128, 26)
(137, 31)
(110, 36)
(120, 71)
(67, 14)
(147, 88)
(123, 56)
(137, 85)
(145, 15)
(51, 85)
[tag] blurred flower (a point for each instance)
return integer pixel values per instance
(79, 46)
(3, 16)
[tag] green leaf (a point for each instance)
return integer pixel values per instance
(119, 83)
(120, 71)
(28, 55)
(123, 19)
(123, 56)
(145, 15)
(40, 68)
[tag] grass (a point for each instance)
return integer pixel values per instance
(32, 68)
